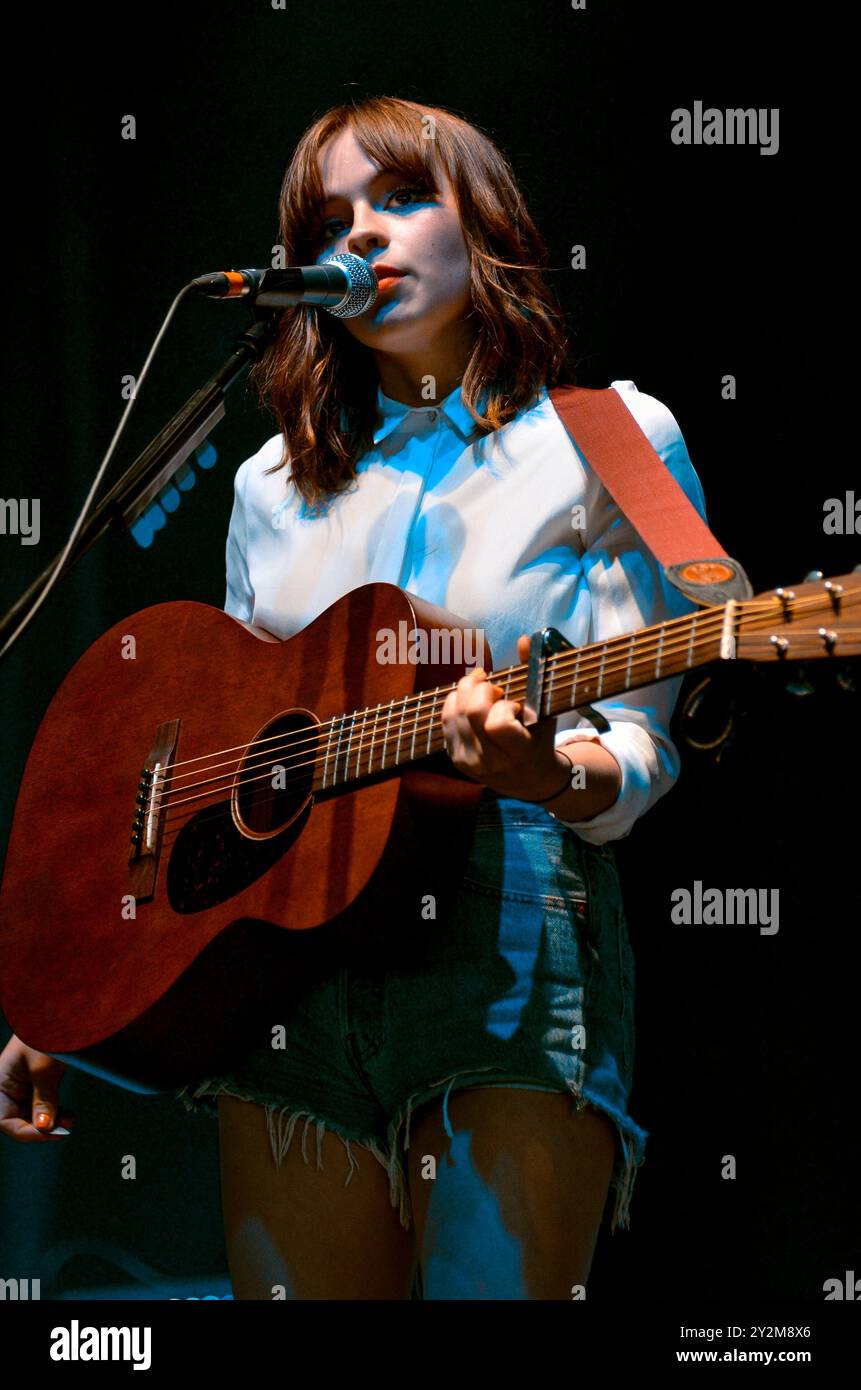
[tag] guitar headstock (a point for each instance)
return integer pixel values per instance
(815, 619)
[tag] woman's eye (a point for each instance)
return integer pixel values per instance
(417, 195)
(414, 195)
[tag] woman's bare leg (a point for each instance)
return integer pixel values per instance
(516, 1204)
(300, 1226)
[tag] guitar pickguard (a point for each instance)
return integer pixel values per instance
(211, 862)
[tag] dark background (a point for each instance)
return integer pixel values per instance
(701, 261)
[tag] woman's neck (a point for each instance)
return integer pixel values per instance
(428, 376)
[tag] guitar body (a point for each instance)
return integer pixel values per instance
(200, 796)
(150, 969)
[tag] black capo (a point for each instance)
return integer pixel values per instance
(542, 644)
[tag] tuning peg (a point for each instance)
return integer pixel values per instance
(786, 596)
(814, 574)
(835, 593)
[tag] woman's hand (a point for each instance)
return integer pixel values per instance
(487, 741)
(29, 1089)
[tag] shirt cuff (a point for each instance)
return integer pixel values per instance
(643, 780)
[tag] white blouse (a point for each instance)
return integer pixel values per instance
(483, 525)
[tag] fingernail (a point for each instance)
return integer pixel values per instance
(42, 1119)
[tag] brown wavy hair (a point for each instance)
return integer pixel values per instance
(319, 382)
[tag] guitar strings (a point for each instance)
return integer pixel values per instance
(504, 671)
(171, 800)
(365, 745)
(561, 661)
(175, 822)
(367, 742)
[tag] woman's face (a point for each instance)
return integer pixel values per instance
(374, 215)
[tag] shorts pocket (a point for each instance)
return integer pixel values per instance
(530, 864)
(607, 915)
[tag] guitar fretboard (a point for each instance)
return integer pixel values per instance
(375, 739)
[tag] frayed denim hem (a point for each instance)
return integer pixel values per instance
(281, 1122)
(632, 1141)
(631, 1138)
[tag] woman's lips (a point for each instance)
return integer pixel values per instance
(388, 276)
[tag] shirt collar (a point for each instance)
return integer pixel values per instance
(391, 413)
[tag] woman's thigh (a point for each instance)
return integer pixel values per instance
(512, 1204)
(298, 1227)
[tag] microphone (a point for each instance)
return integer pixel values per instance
(345, 285)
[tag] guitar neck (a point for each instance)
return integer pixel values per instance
(384, 737)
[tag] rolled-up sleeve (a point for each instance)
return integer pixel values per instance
(628, 591)
(239, 601)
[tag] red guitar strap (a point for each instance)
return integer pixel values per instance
(605, 433)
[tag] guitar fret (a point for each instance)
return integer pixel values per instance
(416, 716)
(692, 638)
(548, 704)
(431, 724)
(660, 651)
(328, 752)
(373, 740)
(386, 734)
(360, 742)
(574, 679)
(349, 744)
(601, 670)
(400, 732)
(631, 645)
(338, 748)
(351, 733)
(351, 729)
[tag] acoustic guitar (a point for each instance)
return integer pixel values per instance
(200, 795)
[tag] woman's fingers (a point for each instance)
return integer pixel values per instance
(29, 1095)
(45, 1104)
(503, 724)
(469, 700)
(25, 1132)
(482, 728)
(486, 737)
(481, 699)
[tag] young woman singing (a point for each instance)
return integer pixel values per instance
(457, 1104)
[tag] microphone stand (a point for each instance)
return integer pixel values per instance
(160, 460)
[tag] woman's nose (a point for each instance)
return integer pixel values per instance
(363, 243)
(366, 233)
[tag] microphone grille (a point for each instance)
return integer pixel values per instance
(363, 286)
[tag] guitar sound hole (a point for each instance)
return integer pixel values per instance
(277, 773)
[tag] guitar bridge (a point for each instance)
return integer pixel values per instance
(148, 820)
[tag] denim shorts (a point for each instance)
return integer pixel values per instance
(527, 982)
